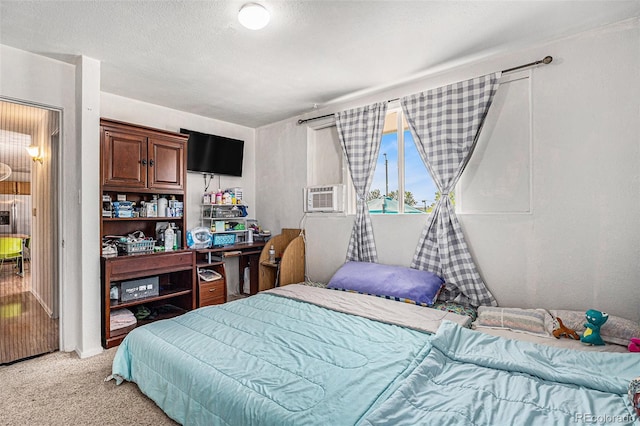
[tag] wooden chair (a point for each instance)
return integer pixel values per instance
(10, 249)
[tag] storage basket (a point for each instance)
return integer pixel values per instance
(140, 246)
(223, 239)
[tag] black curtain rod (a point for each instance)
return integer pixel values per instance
(546, 60)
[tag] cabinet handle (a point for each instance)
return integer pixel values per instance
(151, 163)
(211, 290)
(144, 161)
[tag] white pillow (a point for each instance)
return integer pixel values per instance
(530, 321)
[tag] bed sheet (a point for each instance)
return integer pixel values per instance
(470, 378)
(269, 360)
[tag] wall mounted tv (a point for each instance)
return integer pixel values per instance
(213, 154)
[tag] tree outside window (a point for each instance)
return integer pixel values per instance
(401, 182)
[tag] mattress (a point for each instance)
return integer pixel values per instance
(304, 355)
(270, 360)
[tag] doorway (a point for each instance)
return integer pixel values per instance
(29, 284)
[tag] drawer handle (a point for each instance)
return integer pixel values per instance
(211, 290)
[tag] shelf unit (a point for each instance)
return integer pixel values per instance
(177, 286)
(212, 213)
(139, 162)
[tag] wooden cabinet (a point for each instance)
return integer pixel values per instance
(139, 163)
(15, 188)
(290, 260)
(141, 158)
(175, 272)
(212, 292)
(23, 188)
(7, 187)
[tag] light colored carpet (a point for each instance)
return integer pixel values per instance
(62, 389)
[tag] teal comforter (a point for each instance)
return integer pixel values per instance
(470, 378)
(272, 360)
(269, 360)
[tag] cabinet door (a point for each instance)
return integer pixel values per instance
(23, 188)
(124, 159)
(7, 187)
(166, 163)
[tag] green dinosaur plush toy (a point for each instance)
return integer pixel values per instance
(595, 320)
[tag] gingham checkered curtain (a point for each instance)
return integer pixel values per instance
(360, 132)
(445, 124)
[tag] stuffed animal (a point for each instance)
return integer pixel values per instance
(595, 320)
(634, 394)
(561, 330)
(634, 345)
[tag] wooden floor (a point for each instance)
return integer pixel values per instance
(26, 330)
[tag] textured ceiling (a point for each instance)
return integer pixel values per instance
(194, 56)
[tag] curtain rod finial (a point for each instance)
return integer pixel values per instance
(547, 60)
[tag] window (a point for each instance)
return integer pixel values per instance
(401, 182)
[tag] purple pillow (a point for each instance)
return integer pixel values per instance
(395, 282)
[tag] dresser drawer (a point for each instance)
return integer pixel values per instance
(151, 264)
(212, 293)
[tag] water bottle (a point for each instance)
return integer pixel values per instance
(272, 255)
(169, 238)
(162, 206)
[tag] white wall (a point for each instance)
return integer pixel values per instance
(137, 112)
(579, 246)
(87, 130)
(37, 79)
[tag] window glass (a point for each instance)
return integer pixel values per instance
(401, 182)
(420, 190)
(385, 178)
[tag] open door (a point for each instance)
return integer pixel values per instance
(29, 287)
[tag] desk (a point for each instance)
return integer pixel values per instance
(248, 254)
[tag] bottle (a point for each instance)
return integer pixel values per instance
(272, 254)
(175, 236)
(162, 206)
(169, 238)
(219, 196)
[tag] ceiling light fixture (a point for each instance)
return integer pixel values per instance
(253, 16)
(5, 171)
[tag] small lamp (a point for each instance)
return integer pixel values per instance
(34, 153)
(253, 16)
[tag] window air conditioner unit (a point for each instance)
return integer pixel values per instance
(325, 198)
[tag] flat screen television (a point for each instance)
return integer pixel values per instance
(214, 154)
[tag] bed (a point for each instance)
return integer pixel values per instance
(304, 355)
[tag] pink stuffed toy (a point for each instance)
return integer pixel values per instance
(634, 345)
